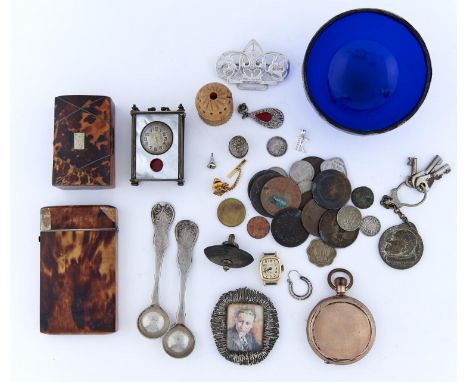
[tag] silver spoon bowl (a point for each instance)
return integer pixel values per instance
(153, 322)
(179, 341)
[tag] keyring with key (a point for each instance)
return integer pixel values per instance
(401, 246)
(291, 290)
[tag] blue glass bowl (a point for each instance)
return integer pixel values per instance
(367, 71)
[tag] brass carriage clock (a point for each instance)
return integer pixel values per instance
(157, 145)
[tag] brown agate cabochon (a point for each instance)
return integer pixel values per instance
(214, 103)
(341, 330)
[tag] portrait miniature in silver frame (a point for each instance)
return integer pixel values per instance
(245, 326)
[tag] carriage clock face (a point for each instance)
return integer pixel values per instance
(158, 145)
(156, 138)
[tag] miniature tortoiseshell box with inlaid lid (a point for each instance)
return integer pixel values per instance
(83, 142)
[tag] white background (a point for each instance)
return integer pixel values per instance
(160, 55)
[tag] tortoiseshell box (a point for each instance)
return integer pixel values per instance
(77, 273)
(83, 142)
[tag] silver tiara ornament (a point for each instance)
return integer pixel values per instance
(252, 69)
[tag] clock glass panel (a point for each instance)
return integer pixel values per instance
(156, 138)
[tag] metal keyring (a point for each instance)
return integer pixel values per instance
(396, 200)
(340, 270)
(291, 290)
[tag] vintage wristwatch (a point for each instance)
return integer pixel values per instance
(270, 268)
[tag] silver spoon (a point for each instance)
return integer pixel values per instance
(179, 341)
(153, 322)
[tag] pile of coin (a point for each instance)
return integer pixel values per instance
(311, 199)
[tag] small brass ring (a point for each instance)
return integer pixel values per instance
(340, 270)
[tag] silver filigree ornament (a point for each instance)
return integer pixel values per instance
(252, 69)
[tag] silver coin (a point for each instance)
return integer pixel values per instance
(320, 253)
(349, 218)
(277, 146)
(238, 146)
(279, 170)
(305, 185)
(401, 247)
(333, 164)
(301, 171)
(370, 226)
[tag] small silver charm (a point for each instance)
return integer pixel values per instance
(301, 140)
(252, 69)
(269, 117)
(211, 164)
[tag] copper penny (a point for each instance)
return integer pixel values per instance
(258, 227)
(231, 212)
(311, 214)
(332, 234)
(315, 162)
(278, 193)
(331, 189)
(287, 228)
(256, 189)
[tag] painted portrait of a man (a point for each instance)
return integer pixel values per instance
(245, 327)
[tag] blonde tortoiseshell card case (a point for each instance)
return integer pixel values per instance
(78, 269)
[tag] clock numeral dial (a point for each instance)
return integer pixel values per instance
(156, 138)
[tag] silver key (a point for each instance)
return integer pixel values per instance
(435, 162)
(413, 162)
(426, 181)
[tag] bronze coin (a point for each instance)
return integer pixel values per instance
(231, 212)
(305, 197)
(278, 193)
(362, 197)
(331, 189)
(255, 177)
(315, 162)
(287, 228)
(311, 214)
(258, 227)
(256, 189)
(332, 234)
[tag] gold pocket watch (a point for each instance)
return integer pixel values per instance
(340, 329)
(270, 268)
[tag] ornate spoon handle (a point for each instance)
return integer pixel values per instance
(186, 233)
(162, 215)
